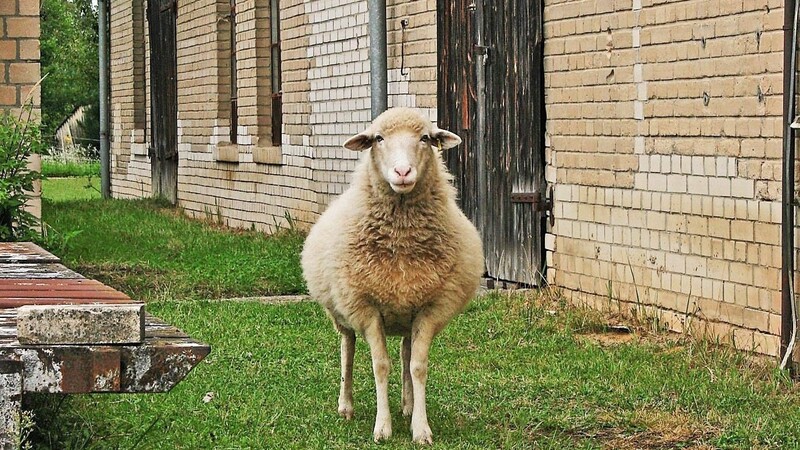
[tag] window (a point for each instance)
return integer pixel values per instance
(234, 134)
(275, 62)
(139, 97)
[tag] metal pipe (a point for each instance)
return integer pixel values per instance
(102, 50)
(378, 68)
(788, 322)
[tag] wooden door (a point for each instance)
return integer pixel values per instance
(491, 93)
(161, 16)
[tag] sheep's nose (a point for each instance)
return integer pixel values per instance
(403, 171)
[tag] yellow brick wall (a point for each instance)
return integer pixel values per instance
(218, 180)
(664, 146)
(325, 100)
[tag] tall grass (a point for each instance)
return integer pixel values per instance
(58, 169)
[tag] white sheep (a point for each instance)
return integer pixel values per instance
(394, 255)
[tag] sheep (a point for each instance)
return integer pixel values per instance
(394, 255)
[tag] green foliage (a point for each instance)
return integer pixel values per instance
(19, 140)
(59, 169)
(69, 59)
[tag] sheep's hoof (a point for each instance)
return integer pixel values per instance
(423, 436)
(383, 431)
(408, 409)
(346, 412)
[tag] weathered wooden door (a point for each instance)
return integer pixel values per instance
(161, 16)
(491, 93)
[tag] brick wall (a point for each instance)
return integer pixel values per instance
(664, 145)
(325, 80)
(19, 68)
(249, 183)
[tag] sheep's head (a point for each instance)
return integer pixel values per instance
(402, 142)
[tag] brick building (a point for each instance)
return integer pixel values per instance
(19, 67)
(662, 143)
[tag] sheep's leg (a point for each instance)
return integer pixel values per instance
(346, 390)
(376, 338)
(408, 388)
(423, 331)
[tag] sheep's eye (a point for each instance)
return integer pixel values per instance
(425, 138)
(379, 138)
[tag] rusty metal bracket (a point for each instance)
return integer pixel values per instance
(535, 199)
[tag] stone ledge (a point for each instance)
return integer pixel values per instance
(226, 152)
(267, 155)
(80, 324)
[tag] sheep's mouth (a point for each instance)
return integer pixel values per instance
(404, 187)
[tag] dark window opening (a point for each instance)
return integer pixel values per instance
(275, 58)
(234, 134)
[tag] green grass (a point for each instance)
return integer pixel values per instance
(56, 190)
(153, 252)
(502, 376)
(512, 372)
(53, 168)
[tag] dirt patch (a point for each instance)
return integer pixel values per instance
(662, 430)
(611, 335)
(271, 300)
(609, 339)
(654, 440)
(648, 430)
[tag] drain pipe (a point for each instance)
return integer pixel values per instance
(377, 56)
(788, 311)
(102, 50)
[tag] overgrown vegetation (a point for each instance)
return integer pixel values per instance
(19, 140)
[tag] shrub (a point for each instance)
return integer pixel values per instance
(19, 140)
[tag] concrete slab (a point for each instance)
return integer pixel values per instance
(80, 324)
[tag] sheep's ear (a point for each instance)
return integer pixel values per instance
(445, 139)
(361, 141)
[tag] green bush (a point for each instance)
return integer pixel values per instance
(19, 140)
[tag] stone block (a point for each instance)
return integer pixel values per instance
(226, 152)
(80, 324)
(10, 402)
(267, 155)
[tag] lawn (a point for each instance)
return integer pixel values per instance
(513, 371)
(71, 189)
(152, 252)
